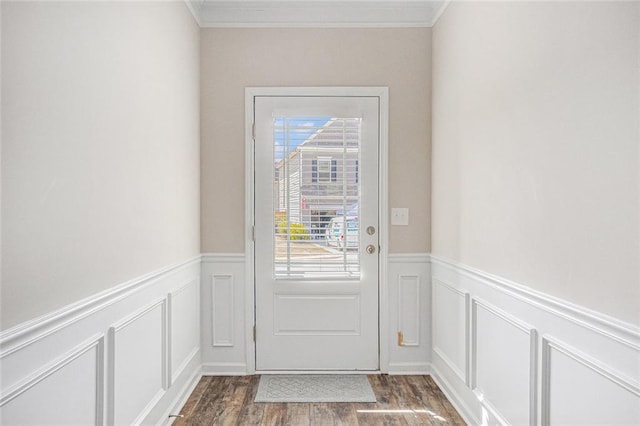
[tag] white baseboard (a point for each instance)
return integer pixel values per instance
(506, 353)
(182, 397)
(454, 398)
(410, 368)
(224, 369)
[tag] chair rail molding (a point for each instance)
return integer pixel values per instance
(31, 331)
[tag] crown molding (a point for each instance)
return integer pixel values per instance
(316, 13)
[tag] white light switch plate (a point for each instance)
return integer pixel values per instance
(400, 216)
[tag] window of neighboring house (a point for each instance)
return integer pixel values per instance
(357, 171)
(324, 169)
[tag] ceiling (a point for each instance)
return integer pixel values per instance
(316, 13)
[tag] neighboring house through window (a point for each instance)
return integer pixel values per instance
(316, 175)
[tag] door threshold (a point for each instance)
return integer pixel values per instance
(318, 372)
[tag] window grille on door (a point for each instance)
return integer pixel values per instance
(316, 197)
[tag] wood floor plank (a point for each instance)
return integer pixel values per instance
(327, 414)
(251, 412)
(299, 414)
(401, 400)
(191, 404)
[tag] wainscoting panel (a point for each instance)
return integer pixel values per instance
(38, 399)
(408, 306)
(222, 289)
(409, 309)
(225, 323)
(573, 382)
(450, 327)
(137, 364)
(105, 359)
(184, 322)
(534, 359)
(503, 363)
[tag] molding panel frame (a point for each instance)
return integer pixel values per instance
(563, 399)
(408, 304)
(531, 358)
(451, 328)
(138, 364)
(63, 364)
(222, 310)
(504, 353)
(225, 321)
(83, 404)
(184, 327)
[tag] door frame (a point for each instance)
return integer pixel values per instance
(383, 155)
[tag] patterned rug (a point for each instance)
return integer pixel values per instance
(315, 388)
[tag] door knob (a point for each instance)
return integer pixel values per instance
(371, 249)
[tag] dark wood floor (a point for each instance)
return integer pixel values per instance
(401, 400)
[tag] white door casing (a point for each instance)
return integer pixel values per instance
(311, 321)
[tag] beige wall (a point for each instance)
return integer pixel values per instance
(100, 148)
(535, 143)
(232, 59)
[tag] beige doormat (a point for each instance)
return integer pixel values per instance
(315, 388)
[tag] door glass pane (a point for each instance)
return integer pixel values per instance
(316, 192)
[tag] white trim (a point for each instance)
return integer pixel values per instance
(465, 375)
(183, 396)
(31, 331)
(461, 375)
(318, 14)
(195, 10)
(409, 368)
(249, 223)
(315, 25)
(409, 257)
(383, 227)
(373, 372)
(613, 328)
(194, 353)
(383, 94)
(401, 308)
(225, 369)
(120, 325)
(96, 342)
(454, 398)
(223, 257)
(440, 11)
(170, 296)
(530, 331)
(150, 406)
(549, 343)
(214, 340)
(604, 342)
(487, 405)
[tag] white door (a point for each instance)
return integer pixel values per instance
(316, 232)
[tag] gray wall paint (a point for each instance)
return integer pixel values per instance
(100, 148)
(535, 146)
